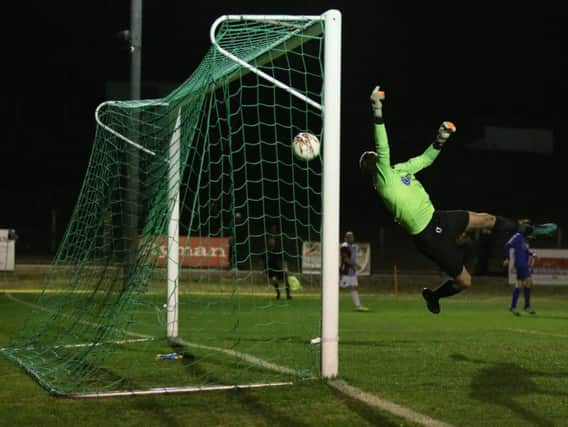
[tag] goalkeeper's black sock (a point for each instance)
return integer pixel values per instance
(447, 289)
(504, 225)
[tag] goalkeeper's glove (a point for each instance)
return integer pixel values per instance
(444, 132)
(376, 102)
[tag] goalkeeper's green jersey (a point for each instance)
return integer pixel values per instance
(403, 194)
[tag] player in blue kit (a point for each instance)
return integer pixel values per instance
(523, 261)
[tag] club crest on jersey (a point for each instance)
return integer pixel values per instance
(405, 179)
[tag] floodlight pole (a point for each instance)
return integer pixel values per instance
(135, 48)
(133, 173)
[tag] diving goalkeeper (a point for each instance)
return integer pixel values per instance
(433, 231)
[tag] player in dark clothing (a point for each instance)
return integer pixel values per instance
(276, 265)
(348, 269)
(435, 232)
(523, 259)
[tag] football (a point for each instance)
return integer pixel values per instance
(306, 146)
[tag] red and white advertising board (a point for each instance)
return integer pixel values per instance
(311, 258)
(196, 252)
(550, 267)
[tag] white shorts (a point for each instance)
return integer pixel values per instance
(348, 282)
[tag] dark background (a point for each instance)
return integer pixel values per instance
(476, 63)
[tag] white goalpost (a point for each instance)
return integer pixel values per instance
(173, 232)
(331, 191)
(331, 110)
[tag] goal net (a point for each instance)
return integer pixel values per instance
(186, 202)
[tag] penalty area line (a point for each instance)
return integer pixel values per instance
(376, 402)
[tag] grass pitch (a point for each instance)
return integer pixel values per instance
(473, 365)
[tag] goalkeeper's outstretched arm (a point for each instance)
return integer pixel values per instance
(377, 163)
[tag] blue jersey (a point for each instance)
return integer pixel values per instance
(521, 254)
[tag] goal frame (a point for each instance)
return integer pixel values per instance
(331, 113)
(331, 117)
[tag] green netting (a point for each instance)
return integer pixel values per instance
(101, 320)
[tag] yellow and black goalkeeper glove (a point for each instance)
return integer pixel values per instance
(377, 97)
(444, 132)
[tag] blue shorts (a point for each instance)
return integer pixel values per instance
(523, 272)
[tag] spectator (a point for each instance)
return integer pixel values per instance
(348, 269)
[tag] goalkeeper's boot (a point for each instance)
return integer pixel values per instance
(361, 308)
(535, 230)
(530, 310)
(514, 311)
(547, 229)
(432, 302)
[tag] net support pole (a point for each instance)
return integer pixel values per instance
(173, 230)
(133, 172)
(331, 187)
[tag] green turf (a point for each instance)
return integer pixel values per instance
(473, 365)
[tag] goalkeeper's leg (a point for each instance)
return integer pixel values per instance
(500, 224)
(448, 288)
(439, 242)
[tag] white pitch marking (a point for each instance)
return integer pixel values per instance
(385, 405)
(244, 356)
(340, 385)
(167, 390)
(527, 331)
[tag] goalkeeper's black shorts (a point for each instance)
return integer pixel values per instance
(438, 241)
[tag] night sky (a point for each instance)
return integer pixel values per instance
(476, 63)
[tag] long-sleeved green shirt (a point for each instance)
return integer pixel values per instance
(402, 193)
